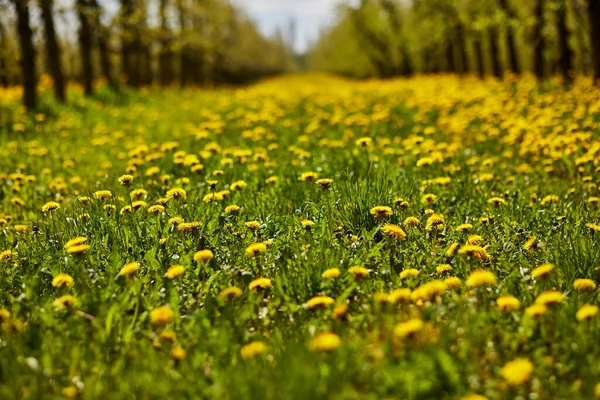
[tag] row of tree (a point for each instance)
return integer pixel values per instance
(388, 38)
(142, 42)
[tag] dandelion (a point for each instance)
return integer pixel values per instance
(324, 183)
(409, 273)
(536, 310)
(393, 231)
(587, 311)
(584, 285)
(260, 283)
(497, 201)
(156, 209)
(319, 301)
(232, 209)
(381, 212)
(254, 225)
(549, 297)
(253, 349)
(542, 271)
(399, 296)
(203, 255)
(325, 342)
(6, 255)
(103, 195)
(508, 303)
(435, 221)
(452, 282)
(78, 249)
(63, 280)
(408, 329)
(358, 271)
(178, 353)
(255, 249)
(331, 273)
(308, 177)
(175, 271)
(50, 206)
(306, 224)
(231, 292)
(176, 194)
(428, 199)
(238, 185)
(411, 222)
(125, 180)
(162, 315)
(517, 372)
(464, 228)
(481, 278)
(64, 302)
(531, 243)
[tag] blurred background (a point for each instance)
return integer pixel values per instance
(214, 42)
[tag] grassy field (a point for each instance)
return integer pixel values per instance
(303, 238)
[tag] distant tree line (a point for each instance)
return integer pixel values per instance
(387, 38)
(142, 42)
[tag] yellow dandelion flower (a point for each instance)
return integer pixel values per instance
(480, 278)
(393, 231)
(584, 285)
(409, 273)
(358, 271)
(230, 293)
(255, 249)
(50, 206)
(587, 311)
(175, 271)
(411, 222)
(103, 195)
(253, 349)
(381, 212)
(508, 303)
(63, 280)
(176, 194)
(407, 329)
(325, 342)
(549, 297)
(125, 180)
(162, 315)
(203, 255)
(178, 353)
(260, 283)
(331, 273)
(542, 271)
(517, 372)
(65, 302)
(319, 301)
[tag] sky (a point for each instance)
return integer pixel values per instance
(310, 17)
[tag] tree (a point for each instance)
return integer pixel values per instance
(53, 53)
(495, 51)
(27, 54)
(85, 45)
(513, 58)
(165, 58)
(3, 63)
(594, 21)
(539, 43)
(101, 35)
(565, 53)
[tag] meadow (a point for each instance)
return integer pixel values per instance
(305, 237)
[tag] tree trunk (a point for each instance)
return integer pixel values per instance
(101, 35)
(183, 57)
(53, 53)
(85, 46)
(126, 37)
(594, 20)
(3, 66)
(27, 54)
(479, 55)
(538, 40)
(566, 54)
(450, 62)
(462, 48)
(513, 58)
(495, 52)
(165, 59)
